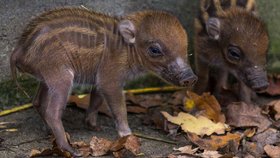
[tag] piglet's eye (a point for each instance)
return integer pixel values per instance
(234, 53)
(155, 51)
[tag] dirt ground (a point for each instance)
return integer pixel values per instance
(31, 133)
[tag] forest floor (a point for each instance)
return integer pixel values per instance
(23, 131)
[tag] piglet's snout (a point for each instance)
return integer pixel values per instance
(187, 79)
(260, 85)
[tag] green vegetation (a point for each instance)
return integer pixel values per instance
(10, 95)
(269, 12)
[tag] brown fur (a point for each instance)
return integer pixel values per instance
(73, 45)
(240, 27)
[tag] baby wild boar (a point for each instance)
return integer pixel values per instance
(72, 45)
(230, 39)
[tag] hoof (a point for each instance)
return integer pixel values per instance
(76, 153)
(91, 124)
(93, 127)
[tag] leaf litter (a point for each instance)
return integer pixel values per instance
(235, 130)
(96, 147)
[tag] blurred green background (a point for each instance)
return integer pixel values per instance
(269, 10)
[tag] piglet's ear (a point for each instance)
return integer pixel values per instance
(213, 27)
(127, 30)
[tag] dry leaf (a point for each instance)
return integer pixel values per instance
(251, 149)
(130, 142)
(250, 132)
(34, 153)
(99, 146)
(200, 125)
(49, 152)
(272, 151)
(145, 101)
(82, 101)
(177, 98)
(136, 109)
(215, 142)
(186, 149)
(274, 85)
(209, 104)
(270, 136)
(83, 147)
(53, 151)
(210, 154)
(240, 114)
(275, 105)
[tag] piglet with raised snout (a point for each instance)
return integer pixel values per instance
(72, 45)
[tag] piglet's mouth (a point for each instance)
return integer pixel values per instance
(184, 79)
(256, 78)
(260, 88)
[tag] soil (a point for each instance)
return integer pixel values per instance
(32, 134)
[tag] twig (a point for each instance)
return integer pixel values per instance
(15, 109)
(154, 89)
(134, 91)
(154, 138)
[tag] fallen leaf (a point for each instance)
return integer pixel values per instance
(177, 98)
(189, 104)
(82, 101)
(136, 109)
(99, 146)
(209, 104)
(274, 107)
(240, 114)
(214, 142)
(49, 152)
(251, 150)
(272, 151)
(186, 149)
(52, 151)
(210, 154)
(250, 132)
(83, 147)
(130, 142)
(34, 153)
(274, 85)
(119, 153)
(145, 101)
(270, 136)
(199, 125)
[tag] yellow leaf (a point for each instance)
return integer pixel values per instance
(200, 125)
(209, 104)
(214, 142)
(189, 104)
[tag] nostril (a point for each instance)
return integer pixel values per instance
(261, 88)
(186, 82)
(189, 81)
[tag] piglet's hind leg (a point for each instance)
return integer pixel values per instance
(54, 104)
(96, 100)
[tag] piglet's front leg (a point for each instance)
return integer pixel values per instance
(116, 100)
(244, 93)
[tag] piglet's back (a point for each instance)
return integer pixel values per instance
(65, 37)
